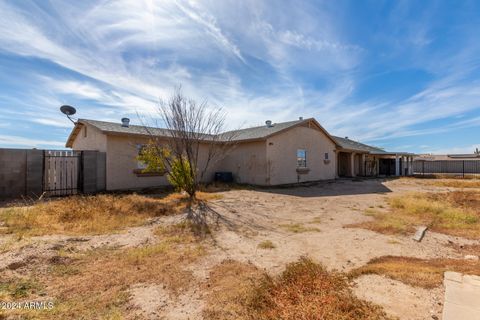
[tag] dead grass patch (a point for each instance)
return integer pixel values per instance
(305, 290)
(88, 214)
(425, 273)
(183, 232)
(95, 284)
(455, 183)
(316, 220)
(19, 288)
(266, 244)
(298, 228)
(439, 180)
(456, 213)
(228, 290)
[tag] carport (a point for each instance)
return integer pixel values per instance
(358, 159)
(394, 163)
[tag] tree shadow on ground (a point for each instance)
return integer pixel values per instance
(205, 216)
(339, 187)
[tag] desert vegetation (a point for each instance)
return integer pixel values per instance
(425, 273)
(455, 213)
(266, 244)
(139, 256)
(197, 131)
(304, 290)
(100, 214)
(95, 283)
(444, 181)
(299, 228)
(87, 214)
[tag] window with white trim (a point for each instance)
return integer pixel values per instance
(301, 158)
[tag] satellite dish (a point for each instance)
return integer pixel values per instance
(68, 110)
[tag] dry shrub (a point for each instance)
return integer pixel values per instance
(266, 244)
(456, 213)
(425, 273)
(88, 214)
(229, 286)
(305, 290)
(298, 228)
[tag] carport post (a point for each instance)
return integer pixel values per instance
(397, 165)
(352, 164)
(363, 167)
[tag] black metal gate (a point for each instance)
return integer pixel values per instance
(62, 172)
(454, 168)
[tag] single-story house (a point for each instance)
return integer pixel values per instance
(272, 154)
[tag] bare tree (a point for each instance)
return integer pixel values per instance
(195, 142)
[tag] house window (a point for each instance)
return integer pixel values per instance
(326, 155)
(301, 158)
(84, 132)
(140, 164)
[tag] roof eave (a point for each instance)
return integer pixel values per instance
(392, 153)
(76, 129)
(342, 149)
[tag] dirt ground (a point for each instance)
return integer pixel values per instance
(319, 214)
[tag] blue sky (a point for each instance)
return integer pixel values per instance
(403, 75)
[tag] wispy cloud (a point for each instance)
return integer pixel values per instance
(256, 59)
(29, 143)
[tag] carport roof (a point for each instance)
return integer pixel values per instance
(353, 145)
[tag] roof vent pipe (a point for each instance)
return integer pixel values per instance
(268, 123)
(125, 122)
(346, 138)
(300, 118)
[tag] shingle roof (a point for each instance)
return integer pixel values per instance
(348, 144)
(112, 127)
(253, 133)
(261, 132)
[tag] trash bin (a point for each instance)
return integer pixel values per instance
(226, 177)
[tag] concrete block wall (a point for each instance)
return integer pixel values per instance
(462, 297)
(21, 173)
(94, 171)
(34, 173)
(101, 171)
(12, 172)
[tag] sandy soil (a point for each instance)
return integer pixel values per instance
(244, 218)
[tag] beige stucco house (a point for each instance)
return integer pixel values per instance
(273, 154)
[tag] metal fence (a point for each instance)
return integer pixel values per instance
(454, 168)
